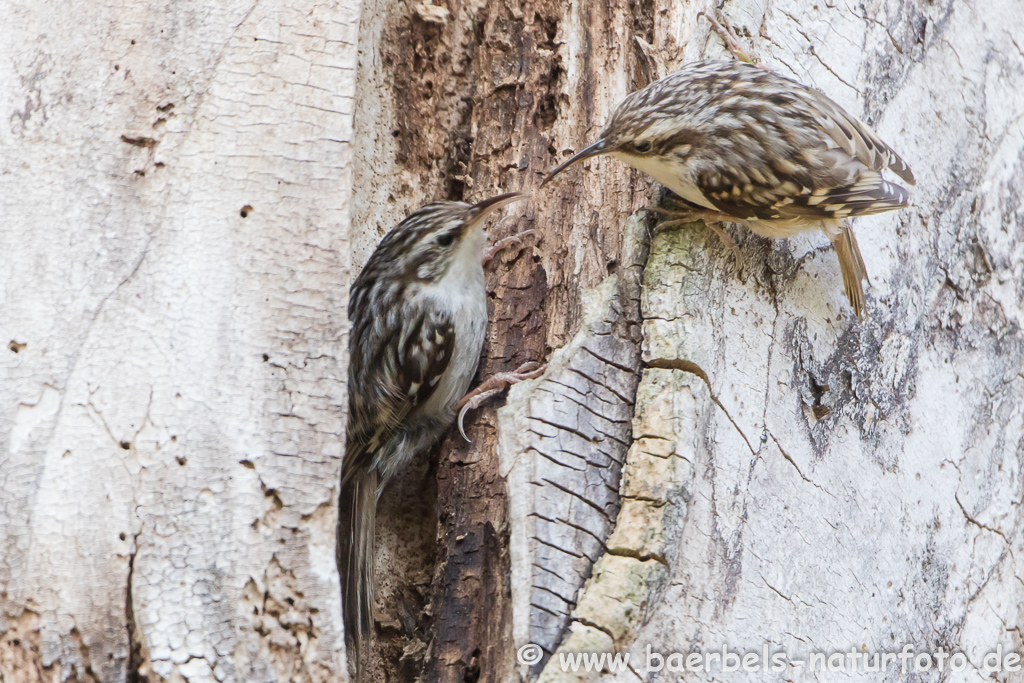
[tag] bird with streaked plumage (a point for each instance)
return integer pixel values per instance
(739, 143)
(419, 318)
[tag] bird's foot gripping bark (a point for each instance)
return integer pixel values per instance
(723, 27)
(492, 250)
(675, 217)
(494, 385)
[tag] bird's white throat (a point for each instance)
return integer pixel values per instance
(670, 173)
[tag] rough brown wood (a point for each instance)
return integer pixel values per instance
(473, 100)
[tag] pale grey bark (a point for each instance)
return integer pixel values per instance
(175, 187)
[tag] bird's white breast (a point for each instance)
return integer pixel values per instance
(462, 294)
(671, 173)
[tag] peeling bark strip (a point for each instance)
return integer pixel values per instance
(562, 441)
(657, 484)
(172, 401)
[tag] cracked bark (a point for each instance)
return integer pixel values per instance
(174, 305)
(175, 295)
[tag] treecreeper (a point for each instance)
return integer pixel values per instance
(739, 143)
(419, 315)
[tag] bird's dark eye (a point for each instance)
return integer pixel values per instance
(445, 239)
(642, 147)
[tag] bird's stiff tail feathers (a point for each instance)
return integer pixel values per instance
(357, 513)
(851, 263)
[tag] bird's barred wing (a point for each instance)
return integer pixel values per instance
(733, 193)
(404, 372)
(856, 138)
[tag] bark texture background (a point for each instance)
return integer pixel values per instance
(805, 482)
(175, 192)
(710, 459)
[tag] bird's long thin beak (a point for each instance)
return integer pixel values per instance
(593, 150)
(480, 210)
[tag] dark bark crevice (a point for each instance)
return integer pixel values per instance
(135, 666)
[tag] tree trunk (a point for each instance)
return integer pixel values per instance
(175, 192)
(778, 449)
(712, 459)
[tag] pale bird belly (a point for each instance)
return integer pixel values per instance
(677, 178)
(783, 228)
(464, 296)
(673, 176)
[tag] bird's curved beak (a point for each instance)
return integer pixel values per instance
(593, 150)
(479, 211)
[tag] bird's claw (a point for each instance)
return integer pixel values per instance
(491, 251)
(495, 385)
(676, 217)
(723, 27)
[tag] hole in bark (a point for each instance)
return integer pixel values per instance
(133, 42)
(472, 672)
(166, 107)
(117, 67)
(181, 460)
(246, 210)
(265, 358)
(247, 464)
(550, 28)
(15, 347)
(126, 445)
(122, 536)
(818, 391)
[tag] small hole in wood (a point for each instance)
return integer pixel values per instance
(126, 445)
(246, 210)
(15, 347)
(122, 536)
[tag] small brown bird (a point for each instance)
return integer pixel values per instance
(740, 143)
(419, 314)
